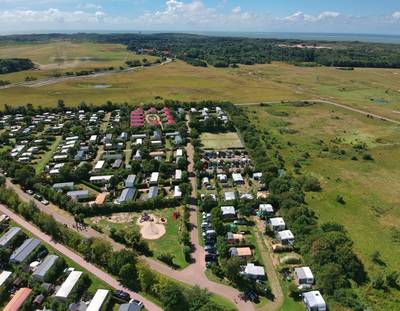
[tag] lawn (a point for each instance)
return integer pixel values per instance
(170, 242)
(47, 156)
(323, 141)
(221, 141)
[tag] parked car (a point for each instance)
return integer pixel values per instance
(120, 294)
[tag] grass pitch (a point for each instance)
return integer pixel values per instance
(221, 141)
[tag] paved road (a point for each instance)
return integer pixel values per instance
(105, 277)
(49, 81)
(332, 103)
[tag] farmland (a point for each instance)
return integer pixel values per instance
(331, 145)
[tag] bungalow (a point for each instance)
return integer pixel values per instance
(234, 238)
(4, 277)
(314, 301)
(303, 275)
(68, 285)
(117, 164)
(238, 178)
(137, 156)
(9, 236)
(229, 196)
(18, 300)
(178, 175)
(99, 165)
(139, 141)
(132, 306)
(285, 237)
(126, 195)
(64, 186)
(78, 195)
(136, 136)
(177, 192)
(100, 180)
(23, 252)
(109, 155)
(123, 136)
(228, 212)
(44, 267)
(243, 252)
(153, 192)
(98, 300)
(222, 178)
(130, 181)
(254, 272)
(108, 138)
(276, 224)
(154, 178)
(80, 155)
(266, 209)
(93, 139)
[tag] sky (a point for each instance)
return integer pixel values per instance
(334, 16)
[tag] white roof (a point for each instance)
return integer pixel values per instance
(98, 300)
(237, 177)
(229, 196)
(228, 210)
(4, 276)
(154, 176)
(99, 164)
(99, 178)
(68, 284)
(179, 152)
(277, 221)
(252, 269)
(315, 300)
(266, 208)
(178, 174)
(304, 273)
(177, 192)
(286, 235)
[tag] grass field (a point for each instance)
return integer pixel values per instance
(370, 188)
(221, 141)
(377, 90)
(63, 56)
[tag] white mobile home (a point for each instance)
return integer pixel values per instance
(68, 285)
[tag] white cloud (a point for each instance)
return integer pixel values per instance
(301, 17)
(237, 10)
(396, 15)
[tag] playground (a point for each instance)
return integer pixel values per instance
(151, 226)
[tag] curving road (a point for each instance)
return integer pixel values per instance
(332, 103)
(105, 277)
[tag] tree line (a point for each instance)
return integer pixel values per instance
(15, 64)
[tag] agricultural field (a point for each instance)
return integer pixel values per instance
(221, 141)
(63, 56)
(352, 156)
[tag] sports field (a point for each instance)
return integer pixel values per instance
(330, 143)
(221, 141)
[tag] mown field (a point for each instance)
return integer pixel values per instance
(376, 90)
(63, 56)
(355, 157)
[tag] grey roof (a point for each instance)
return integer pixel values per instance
(153, 192)
(304, 273)
(315, 300)
(45, 266)
(78, 193)
(79, 155)
(127, 195)
(117, 163)
(22, 252)
(130, 180)
(6, 238)
(129, 307)
(62, 185)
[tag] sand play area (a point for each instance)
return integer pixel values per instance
(151, 227)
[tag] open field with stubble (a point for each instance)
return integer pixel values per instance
(375, 90)
(326, 142)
